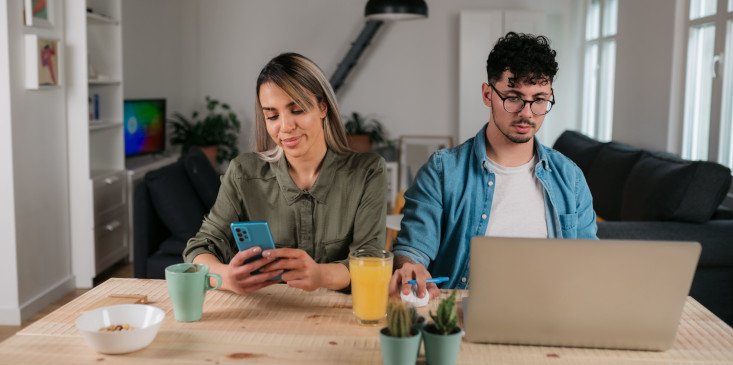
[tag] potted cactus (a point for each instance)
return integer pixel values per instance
(400, 341)
(443, 336)
(418, 321)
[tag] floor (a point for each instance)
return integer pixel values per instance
(122, 270)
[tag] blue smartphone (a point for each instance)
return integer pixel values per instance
(250, 234)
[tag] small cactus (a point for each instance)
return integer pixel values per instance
(446, 319)
(399, 319)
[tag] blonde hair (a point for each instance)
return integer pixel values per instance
(300, 78)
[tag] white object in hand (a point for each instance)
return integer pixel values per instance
(413, 299)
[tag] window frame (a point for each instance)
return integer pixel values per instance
(721, 20)
(597, 121)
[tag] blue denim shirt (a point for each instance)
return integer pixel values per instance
(450, 202)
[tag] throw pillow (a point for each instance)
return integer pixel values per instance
(175, 200)
(663, 187)
(204, 178)
(607, 178)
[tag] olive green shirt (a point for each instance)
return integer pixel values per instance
(344, 210)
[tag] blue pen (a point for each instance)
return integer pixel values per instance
(438, 280)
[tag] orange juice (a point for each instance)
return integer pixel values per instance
(369, 286)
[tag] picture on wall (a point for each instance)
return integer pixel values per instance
(415, 152)
(42, 62)
(38, 13)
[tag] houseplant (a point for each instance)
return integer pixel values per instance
(443, 336)
(400, 342)
(363, 132)
(216, 133)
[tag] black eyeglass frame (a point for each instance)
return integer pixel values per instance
(524, 102)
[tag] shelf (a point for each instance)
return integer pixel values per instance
(97, 173)
(94, 18)
(103, 124)
(104, 82)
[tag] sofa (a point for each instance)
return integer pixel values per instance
(651, 195)
(169, 206)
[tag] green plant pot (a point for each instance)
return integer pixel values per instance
(441, 349)
(399, 350)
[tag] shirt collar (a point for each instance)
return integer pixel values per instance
(320, 188)
(479, 149)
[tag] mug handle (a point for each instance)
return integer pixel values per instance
(218, 281)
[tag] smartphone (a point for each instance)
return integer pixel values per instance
(253, 233)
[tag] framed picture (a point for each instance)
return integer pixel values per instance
(41, 61)
(392, 179)
(38, 13)
(415, 152)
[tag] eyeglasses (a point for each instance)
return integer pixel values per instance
(514, 104)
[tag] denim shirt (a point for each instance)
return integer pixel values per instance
(450, 202)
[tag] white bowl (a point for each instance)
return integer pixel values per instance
(144, 320)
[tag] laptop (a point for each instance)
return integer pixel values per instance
(579, 293)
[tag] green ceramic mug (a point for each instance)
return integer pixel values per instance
(187, 287)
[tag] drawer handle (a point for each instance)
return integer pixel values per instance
(111, 180)
(112, 226)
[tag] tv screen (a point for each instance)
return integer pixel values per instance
(144, 126)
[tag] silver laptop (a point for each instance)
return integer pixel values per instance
(578, 293)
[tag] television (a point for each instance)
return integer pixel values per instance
(144, 125)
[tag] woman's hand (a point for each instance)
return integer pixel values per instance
(301, 271)
(237, 276)
(409, 271)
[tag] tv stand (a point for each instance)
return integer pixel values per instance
(136, 169)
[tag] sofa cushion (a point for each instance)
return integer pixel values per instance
(175, 200)
(662, 187)
(580, 148)
(172, 246)
(607, 178)
(203, 177)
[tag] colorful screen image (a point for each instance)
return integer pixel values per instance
(144, 126)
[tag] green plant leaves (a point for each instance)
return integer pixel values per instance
(219, 127)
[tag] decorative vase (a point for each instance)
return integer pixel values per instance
(441, 349)
(359, 142)
(211, 152)
(399, 350)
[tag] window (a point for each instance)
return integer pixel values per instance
(708, 104)
(599, 66)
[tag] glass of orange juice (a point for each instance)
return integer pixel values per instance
(371, 270)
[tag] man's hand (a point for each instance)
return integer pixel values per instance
(410, 270)
(301, 271)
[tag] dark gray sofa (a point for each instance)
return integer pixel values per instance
(652, 195)
(169, 207)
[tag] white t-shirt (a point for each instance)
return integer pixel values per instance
(518, 206)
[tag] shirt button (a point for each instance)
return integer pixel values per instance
(463, 280)
(491, 183)
(483, 216)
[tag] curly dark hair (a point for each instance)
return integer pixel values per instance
(528, 57)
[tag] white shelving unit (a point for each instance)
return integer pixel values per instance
(98, 179)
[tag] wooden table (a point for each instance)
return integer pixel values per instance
(280, 325)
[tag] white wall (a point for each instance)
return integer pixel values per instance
(34, 169)
(8, 261)
(408, 76)
(644, 61)
(159, 60)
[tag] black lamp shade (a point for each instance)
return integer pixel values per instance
(396, 9)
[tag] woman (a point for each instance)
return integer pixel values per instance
(320, 199)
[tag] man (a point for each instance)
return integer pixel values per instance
(502, 182)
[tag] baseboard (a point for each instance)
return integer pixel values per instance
(14, 316)
(10, 316)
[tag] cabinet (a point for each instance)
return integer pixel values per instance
(98, 180)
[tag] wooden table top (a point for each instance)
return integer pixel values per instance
(281, 325)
